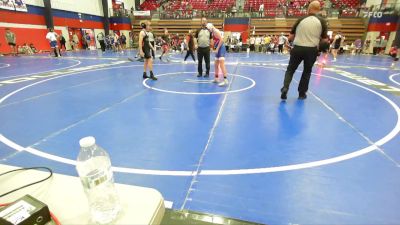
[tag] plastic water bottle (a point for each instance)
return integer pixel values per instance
(94, 169)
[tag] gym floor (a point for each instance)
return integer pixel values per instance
(236, 151)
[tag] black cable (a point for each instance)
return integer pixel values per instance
(23, 169)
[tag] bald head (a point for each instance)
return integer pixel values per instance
(314, 7)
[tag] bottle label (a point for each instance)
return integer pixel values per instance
(96, 178)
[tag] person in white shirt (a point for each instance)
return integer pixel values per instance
(258, 43)
(281, 42)
(75, 41)
(52, 38)
(117, 42)
(261, 10)
(252, 42)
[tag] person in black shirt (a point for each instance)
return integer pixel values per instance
(62, 43)
(190, 46)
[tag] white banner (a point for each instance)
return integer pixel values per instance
(7, 4)
(141, 13)
(20, 6)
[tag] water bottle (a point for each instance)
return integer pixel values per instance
(94, 169)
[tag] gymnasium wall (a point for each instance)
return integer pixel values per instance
(31, 26)
(387, 24)
(238, 25)
(92, 7)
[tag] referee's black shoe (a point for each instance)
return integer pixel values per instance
(302, 96)
(284, 93)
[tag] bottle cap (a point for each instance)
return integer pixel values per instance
(87, 142)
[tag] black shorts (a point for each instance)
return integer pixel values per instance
(336, 47)
(10, 43)
(147, 53)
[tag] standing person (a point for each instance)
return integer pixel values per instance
(337, 42)
(377, 45)
(220, 51)
(75, 41)
(261, 10)
(152, 39)
(145, 50)
(252, 44)
(203, 40)
(394, 53)
(116, 42)
(358, 46)
(100, 38)
(257, 43)
(182, 44)
(395, 60)
(281, 42)
(165, 43)
(83, 39)
(323, 50)
(307, 33)
(62, 43)
(88, 40)
(123, 41)
(267, 42)
(190, 46)
(11, 41)
(367, 43)
(52, 37)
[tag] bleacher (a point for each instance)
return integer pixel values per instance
(149, 5)
(352, 28)
(221, 4)
(270, 6)
(180, 27)
(346, 3)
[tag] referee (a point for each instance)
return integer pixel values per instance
(307, 33)
(203, 39)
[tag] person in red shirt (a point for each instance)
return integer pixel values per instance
(395, 54)
(393, 51)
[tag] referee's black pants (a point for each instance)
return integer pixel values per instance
(297, 55)
(203, 53)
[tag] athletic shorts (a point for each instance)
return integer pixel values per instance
(221, 52)
(53, 44)
(147, 53)
(336, 46)
(10, 43)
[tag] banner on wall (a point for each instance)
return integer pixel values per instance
(20, 6)
(141, 13)
(7, 4)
